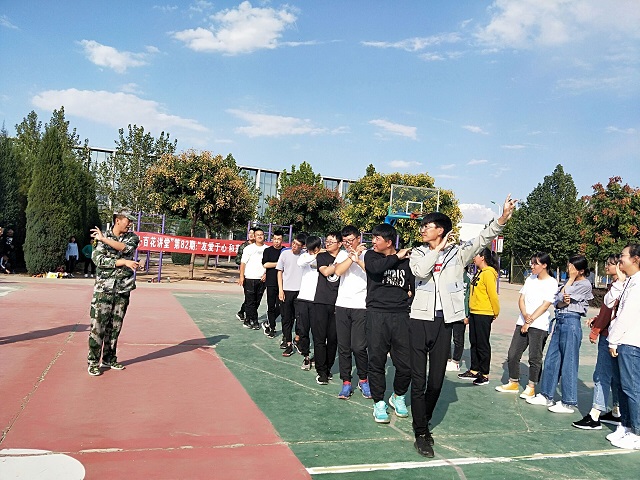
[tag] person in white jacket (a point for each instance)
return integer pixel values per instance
(624, 343)
(438, 302)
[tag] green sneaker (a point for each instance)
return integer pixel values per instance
(113, 365)
(380, 414)
(94, 370)
(398, 404)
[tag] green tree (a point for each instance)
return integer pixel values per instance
(310, 208)
(121, 178)
(611, 218)
(302, 176)
(202, 187)
(27, 143)
(367, 202)
(47, 213)
(11, 205)
(547, 221)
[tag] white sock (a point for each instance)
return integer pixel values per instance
(616, 411)
(595, 414)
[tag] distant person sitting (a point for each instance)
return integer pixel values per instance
(5, 266)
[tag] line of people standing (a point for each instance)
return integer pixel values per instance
(401, 303)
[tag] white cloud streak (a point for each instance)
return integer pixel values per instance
(109, 57)
(627, 131)
(263, 125)
(6, 23)
(244, 29)
(477, 162)
(403, 164)
(117, 109)
(475, 129)
(416, 44)
(396, 128)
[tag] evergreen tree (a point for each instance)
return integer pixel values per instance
(47, 214)
(547, 221)
(11, 212)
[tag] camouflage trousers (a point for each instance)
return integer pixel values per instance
(107, 314)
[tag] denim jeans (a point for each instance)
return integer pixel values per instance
(605, 377)
(629, 366)
(563, 356)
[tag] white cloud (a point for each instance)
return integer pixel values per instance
(5, 22)
(244, 29)
(476, 213)
(529, 23)
(477, 162)
(262, 125)
(403, 164)
(513, 147)
(116, 110)
(105, 56)
(165, 8)
(628, 131)
(416, 44)
(130, 88)
(475, 129)
(396, 128)
(448, 166)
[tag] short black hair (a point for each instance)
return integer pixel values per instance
(302, 238)
(386, 231)
(277, 232)
(337, 235)
(258, 229)
(313, 242)
(439, 220)
(350, 230)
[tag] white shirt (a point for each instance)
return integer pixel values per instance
(353, 284)
(625, 327)
(536, 292)
(309, 282)
(252, 257)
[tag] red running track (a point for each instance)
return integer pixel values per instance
(175, 412)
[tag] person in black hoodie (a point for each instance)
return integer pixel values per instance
(390, 285)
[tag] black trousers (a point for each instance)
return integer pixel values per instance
(71, 263)
(89, 263)
(253, 291)
(535, 339)
(288, 313)
(303, 325)
(458, 340)
(430, 342)
(388, 332)
(273, 306)
(352, 338)
(325, 340)
(479, 333)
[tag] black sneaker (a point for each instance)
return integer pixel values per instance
(306, 364)
(312, 361)
(610, 418)
(588, 423)
(265, 327)
(481, 380)
(240, 316)
(283, 344)
(296, 345)
(247, 324)
(271, 333)
(255, 326)
(423, 446)
(288, 351)
(330, 376)
(468, 375)
(321, 379)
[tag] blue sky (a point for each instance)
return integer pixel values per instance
(485, 96)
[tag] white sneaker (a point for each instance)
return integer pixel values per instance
(540, 399)
(453, 366)
(86, 275)
(630, 441)
(560, 407)
(617, 434)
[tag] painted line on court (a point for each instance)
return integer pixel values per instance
(371, 467)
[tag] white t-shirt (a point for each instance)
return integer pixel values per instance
(353, 284)
(535, 292)
(291, 272)
(309, 282)
(252, 257)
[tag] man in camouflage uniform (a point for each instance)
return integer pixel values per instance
(113, 256)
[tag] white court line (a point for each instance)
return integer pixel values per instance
(371, 467)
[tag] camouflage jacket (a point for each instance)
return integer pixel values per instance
(109, 278)
(240, 249)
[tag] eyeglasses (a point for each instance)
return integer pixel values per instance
(428, 226)
(330, 243)
(348, 240)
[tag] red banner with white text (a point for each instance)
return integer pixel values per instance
(157, 242)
